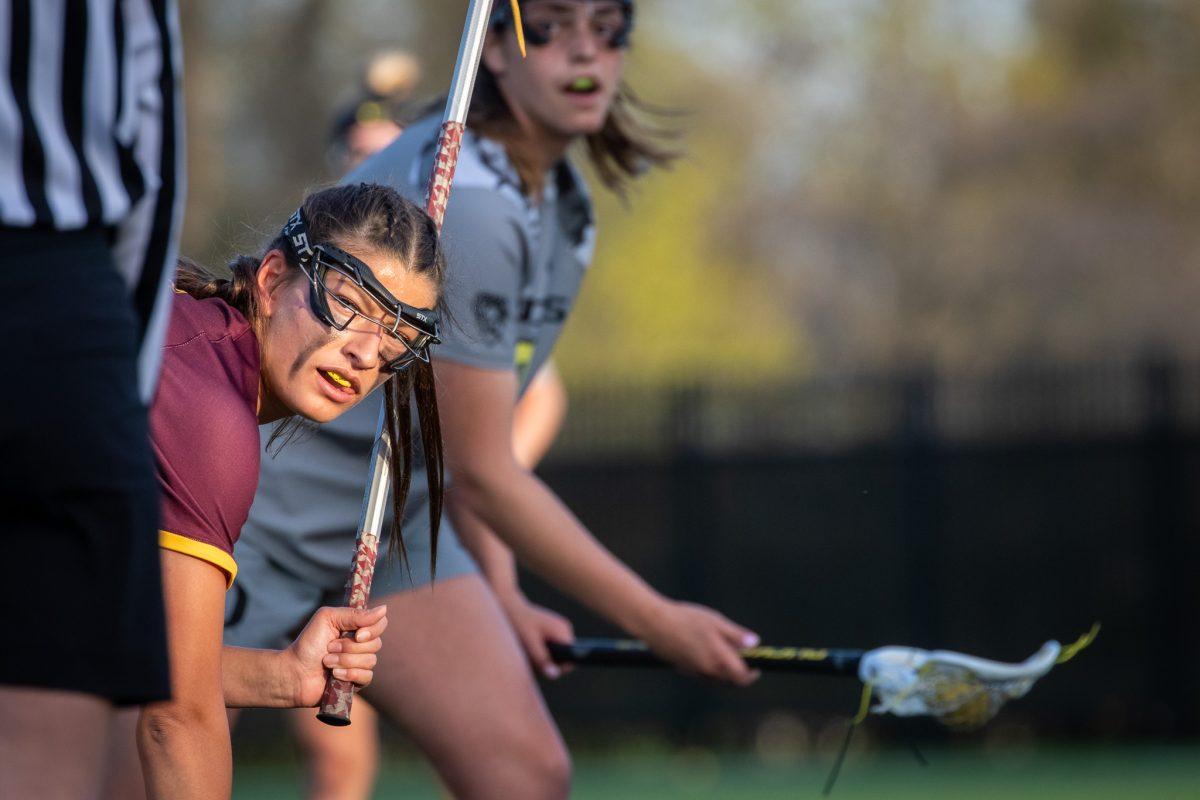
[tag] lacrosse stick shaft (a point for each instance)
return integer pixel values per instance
(632, 653)
(338, 695)
(336, 701)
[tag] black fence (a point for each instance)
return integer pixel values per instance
(983, 514)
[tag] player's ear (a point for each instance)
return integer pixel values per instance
(271, 275)
(494, 56)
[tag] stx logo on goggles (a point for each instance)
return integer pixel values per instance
(300, 242)
(297, 232)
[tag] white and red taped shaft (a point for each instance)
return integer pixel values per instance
(338, 696)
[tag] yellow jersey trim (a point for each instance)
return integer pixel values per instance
(201, 550)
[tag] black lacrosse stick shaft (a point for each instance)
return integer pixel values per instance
(632, 653)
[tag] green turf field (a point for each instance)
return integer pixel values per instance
(1128, 773)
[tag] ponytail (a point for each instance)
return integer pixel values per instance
(237, 289)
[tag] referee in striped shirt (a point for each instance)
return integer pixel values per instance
(91, 196)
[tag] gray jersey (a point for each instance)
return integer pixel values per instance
(514, 271)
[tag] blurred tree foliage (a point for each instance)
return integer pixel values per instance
(869, 184)
(670, 299)
(975, 207)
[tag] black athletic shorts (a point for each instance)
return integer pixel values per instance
(82, 589)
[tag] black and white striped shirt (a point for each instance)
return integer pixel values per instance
(91, 135)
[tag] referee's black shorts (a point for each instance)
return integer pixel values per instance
(78, 499)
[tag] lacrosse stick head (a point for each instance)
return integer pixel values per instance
(960, 691)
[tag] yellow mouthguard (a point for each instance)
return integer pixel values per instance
(338, 379)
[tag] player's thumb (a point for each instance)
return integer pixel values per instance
(741, 638)
(349, 619)
(539, 655)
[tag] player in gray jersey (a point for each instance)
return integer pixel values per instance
(519, 237)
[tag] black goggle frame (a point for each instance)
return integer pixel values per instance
(316, 260)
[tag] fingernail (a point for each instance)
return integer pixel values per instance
(360, 635)
(329, 661)
(552, 672)
(750, 640)
(335, 646)
(340, 673)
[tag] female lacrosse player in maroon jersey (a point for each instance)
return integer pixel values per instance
(340, 302)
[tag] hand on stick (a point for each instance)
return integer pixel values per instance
(699, 640)
(534, 626)
(320, 647)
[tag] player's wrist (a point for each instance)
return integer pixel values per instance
(500, 572)
(253, 678)
(288, 679)
(508, 592)
(643, 612)
(514, 604)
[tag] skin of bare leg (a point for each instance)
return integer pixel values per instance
(52, 743)
(123, 772)
(340, 763)
(454, 677)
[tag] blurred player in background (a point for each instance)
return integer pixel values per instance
(91, 203)
(375, 117)
(519, 235)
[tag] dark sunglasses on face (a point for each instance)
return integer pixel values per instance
(546, 22)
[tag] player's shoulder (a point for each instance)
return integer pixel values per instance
(204, 418)
(484, 211)
(484, 179)
(483, 163)
(210, 363)
(211, 320)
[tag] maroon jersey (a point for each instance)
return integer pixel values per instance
(204, 429)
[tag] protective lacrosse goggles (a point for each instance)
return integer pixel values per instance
(337, 281)
(546, 21)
